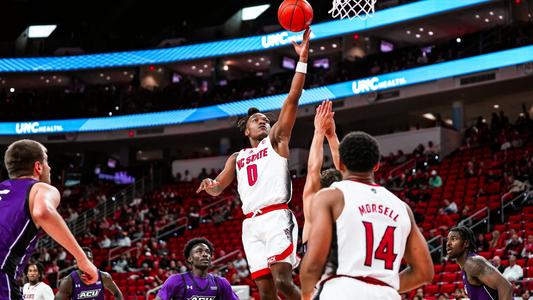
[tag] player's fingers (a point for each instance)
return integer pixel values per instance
(201, 187)
(294, 43)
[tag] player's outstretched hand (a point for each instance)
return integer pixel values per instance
(89, 271)
(302, 48)
(207, 183)
(323, 117)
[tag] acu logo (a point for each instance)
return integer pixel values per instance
(88, 294)
(202, 298)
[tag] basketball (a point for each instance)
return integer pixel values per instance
(295, 15)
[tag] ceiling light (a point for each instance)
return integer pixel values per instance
(458, 40)
(131, 76)
(108, 78)
(491, 13)
(496, 106)
(322, 48)
(252, 12)
(262, 59)
(421, 29)
(429, 116)
(408, 32)
(477, 17)
(417, 36)
(205, 66)
(487, 20)
(249, 60)
(59, 80)
(334, 45)
(311, 50)
(110, 114)
(193, 67)
(101, 74)
(500, 17)
(201, 71)
(430, 33)
(40, 31)
(225, 67)
(12, 90)
(125, 72)
(116, 107)
(257, 64)
(47, 81)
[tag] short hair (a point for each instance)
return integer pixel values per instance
(467, 235)
(359, 151)
(193, 242)
(21, 156)
(39, 266)
(241, 123)
(329, 176)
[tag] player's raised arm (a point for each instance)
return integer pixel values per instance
(420, 266)
(316, 158)
(333, 141)
(215, 187)
(44, 200)
(281, 131)
(480, 268)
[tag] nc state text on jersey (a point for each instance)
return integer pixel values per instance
(249, 159)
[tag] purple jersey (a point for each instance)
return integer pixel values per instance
(187, 286)
(82, 291)
(17, 231)
(478, 292)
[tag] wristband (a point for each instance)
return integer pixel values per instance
(301, 67)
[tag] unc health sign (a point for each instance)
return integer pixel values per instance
(334, 91)
(381, 18)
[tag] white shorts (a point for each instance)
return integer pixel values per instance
(341, 288)
(268, 239)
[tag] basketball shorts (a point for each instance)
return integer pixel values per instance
(341, 288)
(268, 239)
(9, 290)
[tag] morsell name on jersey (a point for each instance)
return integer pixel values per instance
(34, 127)
(250, 159)
(378, 209)
(374, 84)
(281, 39)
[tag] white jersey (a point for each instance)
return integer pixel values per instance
(263, 177)
(40, 291)
(371, 233)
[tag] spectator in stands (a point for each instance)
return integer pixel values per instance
(527, 252)
(513, 272)
(400, 158)
(482, 244)
(105, 242)
(434, 181)
(497, 241)
(240, 261)
(203, 174)
(121, 265)
(194, 217)
(526, 295)
(123, 239)
(442, 296)
(450, 207)
(469, 170)
(514, 246)
(497, 263)
(443, 220)
(187, 176)
(460, 294)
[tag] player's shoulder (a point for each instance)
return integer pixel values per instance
(474, 264)
(44, 187)
(105, 274)
(175, 279)
(220, 280)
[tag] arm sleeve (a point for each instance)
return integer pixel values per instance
(171, 288)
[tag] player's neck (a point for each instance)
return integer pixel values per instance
(254, 143)
(461, 259)
(34, 283)
(360, 177)
(200, 272)
(28, 177)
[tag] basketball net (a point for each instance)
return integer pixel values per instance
(352, 8)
